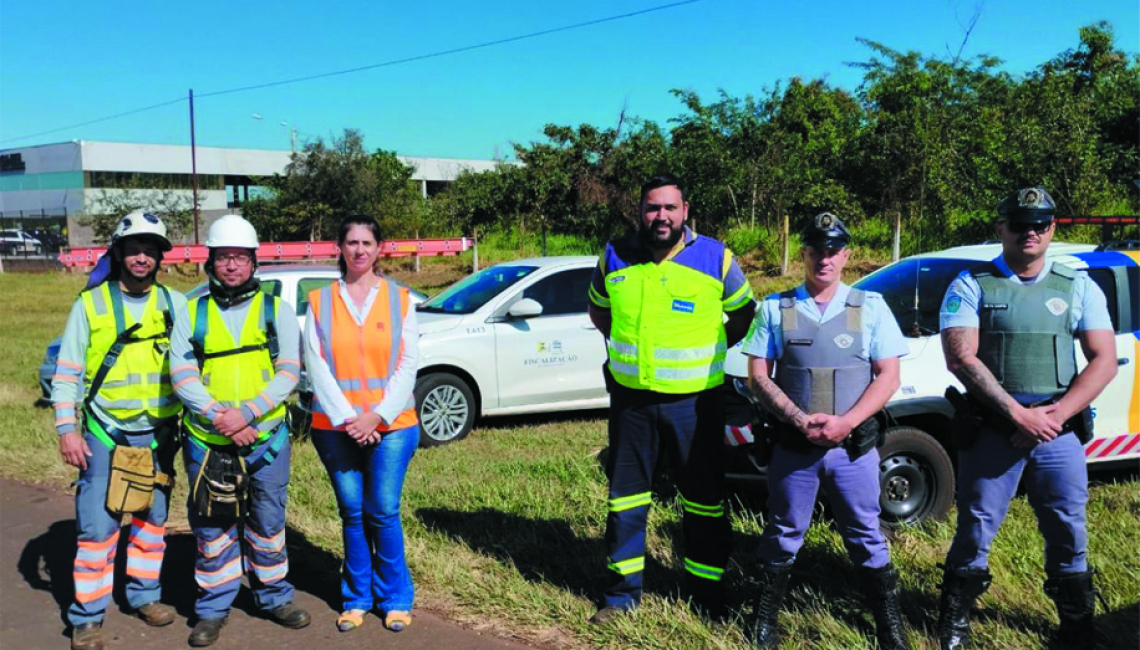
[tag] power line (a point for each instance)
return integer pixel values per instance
(101, 119)
(457, 50)
(394, 62)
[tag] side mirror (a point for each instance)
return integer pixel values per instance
(525, 308)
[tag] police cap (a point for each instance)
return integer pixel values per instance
(1031, 205)
(825, 231)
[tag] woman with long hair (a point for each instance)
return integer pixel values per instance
(360, 351)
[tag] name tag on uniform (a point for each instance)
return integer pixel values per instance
(799, 342)
(995, 305)
(683, 305)
(616, 279)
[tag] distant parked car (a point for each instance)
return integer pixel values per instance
(291, 283)
(18, 241)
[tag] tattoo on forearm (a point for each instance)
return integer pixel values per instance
(777, 402)
(961, 345)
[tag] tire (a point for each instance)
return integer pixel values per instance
(916, 479)
(446, 407)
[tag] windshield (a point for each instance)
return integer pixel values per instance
(476, 290)
(913, 289)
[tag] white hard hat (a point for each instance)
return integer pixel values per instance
(142, 224)
(231, 231)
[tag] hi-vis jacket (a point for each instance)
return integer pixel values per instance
(136, 394)
(667, 332)
(233, 365)
(361, 360)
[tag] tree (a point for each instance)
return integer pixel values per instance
(323, 184)
(111, 204)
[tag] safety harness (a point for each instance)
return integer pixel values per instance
(134, 470)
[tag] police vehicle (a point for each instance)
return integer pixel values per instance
(916, 470)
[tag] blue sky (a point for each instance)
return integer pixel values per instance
(65, 62)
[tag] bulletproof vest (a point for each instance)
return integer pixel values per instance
(1023, 333)
(822, 370)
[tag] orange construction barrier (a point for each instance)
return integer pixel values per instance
(294, 251)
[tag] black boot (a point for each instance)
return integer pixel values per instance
(1076, 604)
(960, 588)
(773, 584)
(883, 592)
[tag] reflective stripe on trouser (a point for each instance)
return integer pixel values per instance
(219, 567)
(99, 535)
(852, 488)
(690, 428)
(1056, 485)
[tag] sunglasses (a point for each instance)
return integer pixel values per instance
(1022, 227)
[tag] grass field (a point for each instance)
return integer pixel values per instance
(505, 528)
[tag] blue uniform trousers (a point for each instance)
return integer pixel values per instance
(219, 567)
(1056, 483)
(852, 487)
(98, 531)
(368, 482)
(691, 429)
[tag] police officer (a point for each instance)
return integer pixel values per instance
(835, 351)
(659, 296)
(1007, 328)
(235, 358)
(114, 351)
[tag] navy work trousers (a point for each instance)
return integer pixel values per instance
(690, 428)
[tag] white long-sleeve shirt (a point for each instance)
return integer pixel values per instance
(325, 386)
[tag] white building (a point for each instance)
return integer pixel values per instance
(44, 187)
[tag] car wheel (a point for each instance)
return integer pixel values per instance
(916, 479)
(446, 408)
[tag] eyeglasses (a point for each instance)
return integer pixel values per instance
(1022, 227)
(238, 259)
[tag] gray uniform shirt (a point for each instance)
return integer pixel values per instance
(188, 380)
(68, 388)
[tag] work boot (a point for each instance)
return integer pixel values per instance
(883, 593)
(156, 614)
(87, 636)
(960, 588)
(290, 616)
(1076, 604)
(206, 632)
(707, 598)
(773, 584)
(607, 614)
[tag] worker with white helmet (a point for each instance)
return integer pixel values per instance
(117, 419)
(235, 358)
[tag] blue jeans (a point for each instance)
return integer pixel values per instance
(99, 536)
(368, 482)
(1056, 482)
(852, 487)
(219, 568)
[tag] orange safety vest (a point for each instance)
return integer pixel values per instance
(362, 357)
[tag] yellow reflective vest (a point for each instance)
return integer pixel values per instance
(667, 332)
(234, 372)
(138, 383)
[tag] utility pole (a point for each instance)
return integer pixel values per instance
(194, 165)
(194, 171)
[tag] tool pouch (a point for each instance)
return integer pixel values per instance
(131, 482)
(868, 435)
(221, 488)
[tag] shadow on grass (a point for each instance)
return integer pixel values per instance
(536, 419)
(544, 550)
(47, 560)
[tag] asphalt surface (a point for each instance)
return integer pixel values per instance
(37, 548)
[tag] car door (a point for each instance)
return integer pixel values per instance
(556, 356)
(1115, 410)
